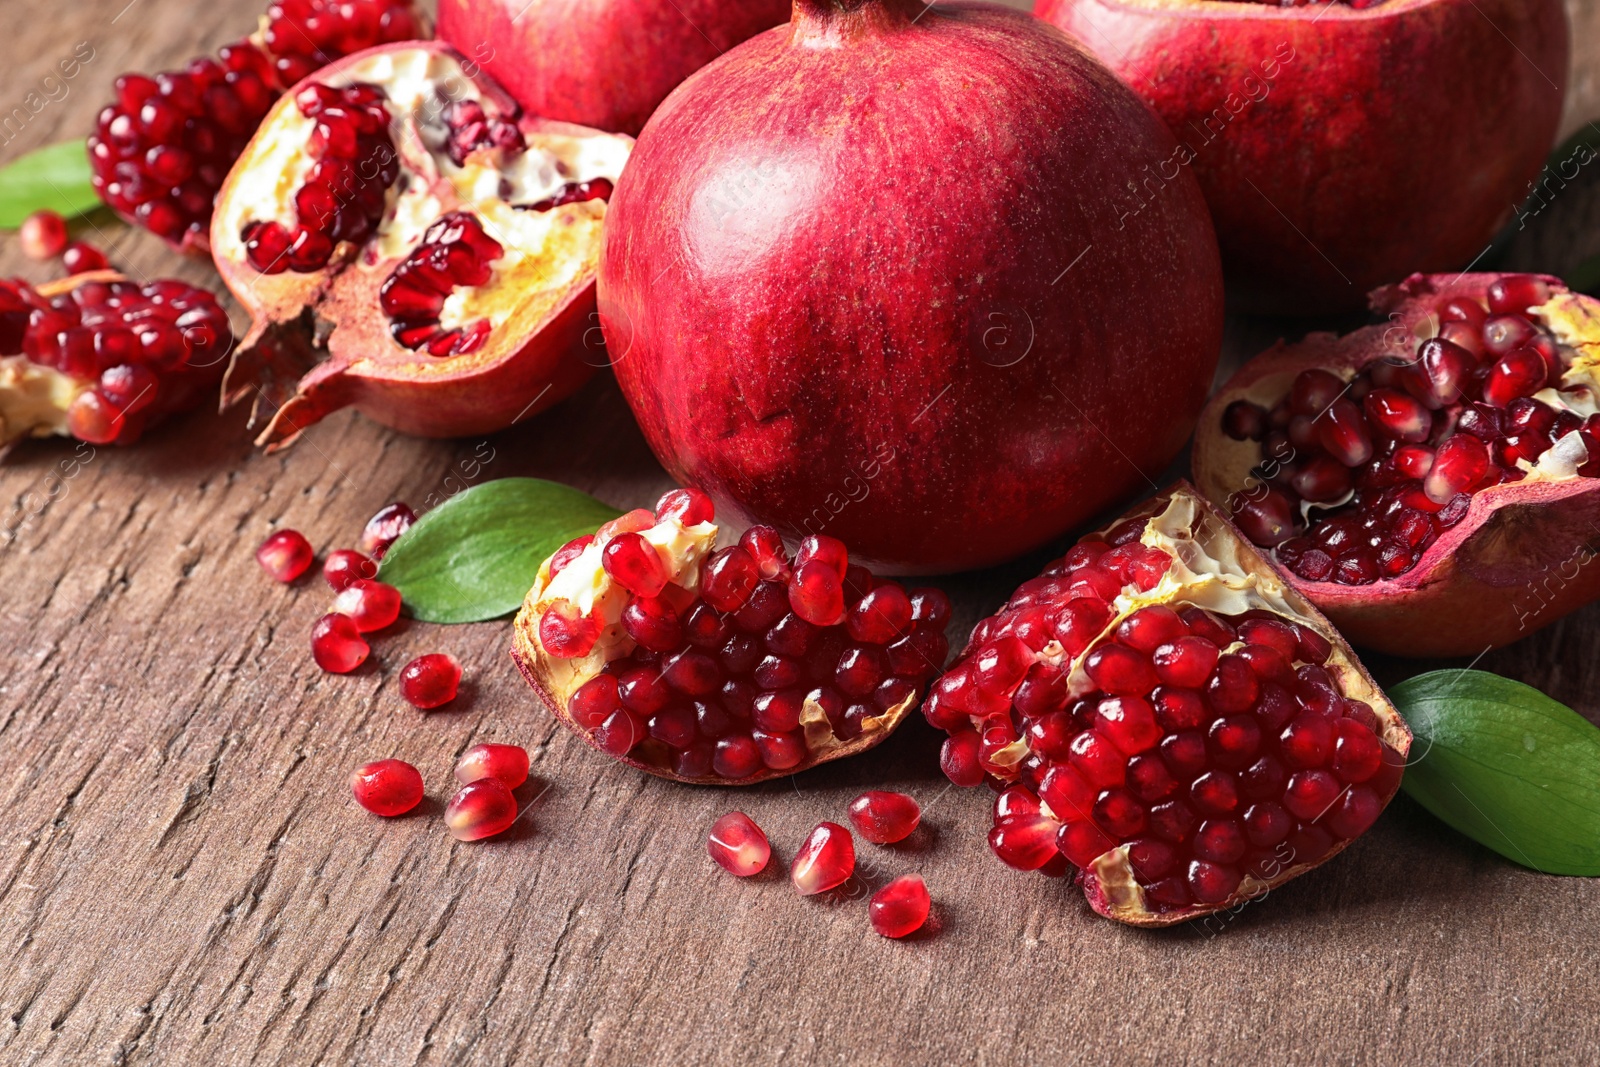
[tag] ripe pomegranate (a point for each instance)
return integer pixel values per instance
(162, 148)
(1430, 484)
(940, 334)
(1340, 145)
(1163, 710)
(723, 666)
(100, 357)
(603, 63)
(409, 244)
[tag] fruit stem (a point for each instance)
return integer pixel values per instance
(836, 22)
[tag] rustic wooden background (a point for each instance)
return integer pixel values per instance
(185, 879)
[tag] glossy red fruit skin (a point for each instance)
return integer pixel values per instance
(994, 450)
(602, 63)
(1468, 96)
(1518, 561)
(387, 787)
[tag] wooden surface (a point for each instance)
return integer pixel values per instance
(184, 878)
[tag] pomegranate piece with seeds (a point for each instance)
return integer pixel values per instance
(901, 907)
(285, 555)
(508, 763)
(43, 235)
(1465, 525)
(337, 645)
(403, 239)
(739, 846)
(430, 681)
(824, 861)
(387, 787)
(723, 665)
(100, 358)
(1183, 750)
(883, 817)
(480, 809)
(384, 529)
(162, 148)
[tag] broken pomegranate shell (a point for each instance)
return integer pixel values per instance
(99, 357)
(1429, 483)
(723, 666)
(1162, 709)
(409, 244)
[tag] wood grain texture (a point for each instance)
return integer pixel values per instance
(184, 878)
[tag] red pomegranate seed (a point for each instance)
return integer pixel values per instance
(1266, 518)
(565, 632)
(337, 645)
(1459, 466)
(1519, 373)
(43, 235)
(455, 251)
(569, 552)
(1343, 433)
(635, 564)
(901, 907)
(385, 528)
(729, 578)
(1026, 842)
(345, 566)
(824, 861)
(816, 593)
(430, 681)
(1314, 391)
(690, 507)
(1244, 421)
(1516, 293)
(508, 763)
(823, 549)
(370, 604)
(738, 845)
(884, 818)
(80, 256)
(480, 809)
(387, 787)
(285, 555)
(765, 546)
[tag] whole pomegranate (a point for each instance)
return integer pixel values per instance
(1341, 145)
(942, 332)
(410, 244)
(1162, 711)
(1432, 484)
(724, 666)
(604, 63)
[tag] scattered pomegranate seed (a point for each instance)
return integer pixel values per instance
(370, 605)
(387, 787)
(285, 555)
(431, 680)
(884, 818)
(43, 235)
(80, 256)
(345, 566)
(480, 809)
(508, 763)
(385, 528)
(738, 844)
(901, 907)
(824, 861)
(337, 645)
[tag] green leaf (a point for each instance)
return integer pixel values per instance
(475, 556)
(1507, 766)
(54, 177)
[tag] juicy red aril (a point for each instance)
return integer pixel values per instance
(80, 256)
(901, 907)
(346, 565)
(508, 763)
(370, 605)
(385, 528)
(305, 35)
(573, 193)
(1516, 293)
(337, 645)
(689, 507)
(430, 681)
(728, 579)
(285, 555)
(816, 593)
(455, 251)
(480, 809)
(738, 845)
(387, 787)
(1244, 421)
(1026, 842)
(635, 564)
(824, 861)
(473, 129)
(43, 235)
(883, 817)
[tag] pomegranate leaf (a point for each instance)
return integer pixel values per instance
(54, 177)
(475, 556)
(1507, 766)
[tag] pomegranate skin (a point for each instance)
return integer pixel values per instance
(1518, 561)
(1359, 145)
(601, 63)
(938, 333)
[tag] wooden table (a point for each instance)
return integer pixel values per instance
(185, 879)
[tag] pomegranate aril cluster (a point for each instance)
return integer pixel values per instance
(1390, 460)
(472, 129)
(306, 35)
(572, 193)
(454, 251)
(343, 197)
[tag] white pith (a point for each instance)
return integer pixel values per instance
(34, 399)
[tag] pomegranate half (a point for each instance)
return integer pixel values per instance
(410, 244)
(604, 63)
(1341, 145)
(723, 666)
(1162, 711)
(943, 334)
(1431, 484)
